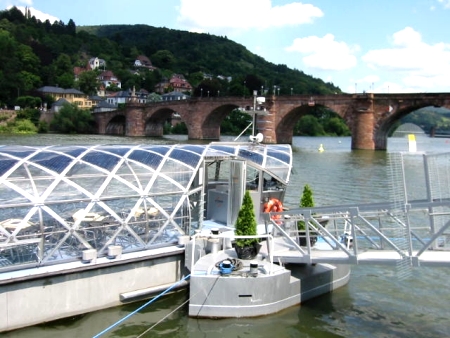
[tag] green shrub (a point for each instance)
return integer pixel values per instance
(306, 201)
(246, 222)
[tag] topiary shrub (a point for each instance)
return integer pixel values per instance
(246, 223)
(306, 201)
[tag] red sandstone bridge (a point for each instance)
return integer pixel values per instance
(369, 116)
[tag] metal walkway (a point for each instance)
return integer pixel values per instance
(401, 232)
(365, 234)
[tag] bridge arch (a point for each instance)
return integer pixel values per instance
(210, 126)
(285, 126)
(116, 125)
(386, 125)
(154, 122)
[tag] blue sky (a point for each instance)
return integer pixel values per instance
(393, 46)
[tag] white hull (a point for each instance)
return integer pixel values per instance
(244, 293)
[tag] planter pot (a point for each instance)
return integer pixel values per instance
(247, 252)
(302, 238)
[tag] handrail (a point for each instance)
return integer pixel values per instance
(372, 228)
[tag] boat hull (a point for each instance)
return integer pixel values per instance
(270, 290)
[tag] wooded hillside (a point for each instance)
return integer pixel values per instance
(35, 54)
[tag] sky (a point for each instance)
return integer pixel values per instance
(383, 46)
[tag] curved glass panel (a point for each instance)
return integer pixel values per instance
(57, 201)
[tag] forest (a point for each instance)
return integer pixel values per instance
(35, 54)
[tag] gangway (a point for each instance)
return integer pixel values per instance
(405, 231)
(361, 234)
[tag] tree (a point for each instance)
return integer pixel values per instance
(179, 129)
(31, 114)
(253, 82)
(208, 87)
(309, 126)
(28, 102)
(246, 222)
(336, 126)
(307, 200)
(24, 127)
(72, 120)
(65, 80)
(235, 123)
(163, 59)
(87, 82)
(63, 64)
(28, 81)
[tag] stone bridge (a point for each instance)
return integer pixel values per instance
(369, 116)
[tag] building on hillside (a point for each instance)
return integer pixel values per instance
(225, 78)
(107, 78)
(92, 64)
(143, 62)
(77, 71)
(124, 96)
(174, 96)
(101, 90)
(104, 106)
(95, 63)
(72, 95)
(57, 105)
(177, 83)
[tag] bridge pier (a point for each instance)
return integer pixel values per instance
(363, 123)
(135, 125)
(265, 124)
(362, 133)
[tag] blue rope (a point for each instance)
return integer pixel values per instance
(141, 307)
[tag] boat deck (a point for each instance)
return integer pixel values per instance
(208, 265)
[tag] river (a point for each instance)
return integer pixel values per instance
(375, 303)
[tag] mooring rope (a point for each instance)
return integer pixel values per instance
(159, 321)
(170, 313)
(141, 307)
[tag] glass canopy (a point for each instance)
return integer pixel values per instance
(57, 201)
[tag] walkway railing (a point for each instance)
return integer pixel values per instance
(366, 234)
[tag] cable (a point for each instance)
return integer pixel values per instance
(151, 327)
(141, 307)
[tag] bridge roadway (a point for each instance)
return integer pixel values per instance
(370, 117)
(365, 234)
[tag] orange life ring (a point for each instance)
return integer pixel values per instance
(273, 205)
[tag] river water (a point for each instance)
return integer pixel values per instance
(375, 303)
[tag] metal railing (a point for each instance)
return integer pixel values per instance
(358, 234)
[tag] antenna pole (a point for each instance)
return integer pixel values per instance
(255, 94)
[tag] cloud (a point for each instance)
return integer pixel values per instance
(36, 13)
(234, 15)
(420, 65)
(446, 3)
(325, 53)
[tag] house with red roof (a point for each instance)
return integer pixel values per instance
(177, 83)
(109, 79)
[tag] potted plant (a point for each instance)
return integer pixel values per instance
(306, 201)
(246, 248)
